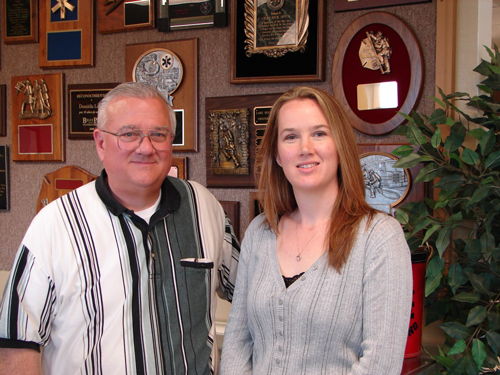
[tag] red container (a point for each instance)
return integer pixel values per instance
(414, 341)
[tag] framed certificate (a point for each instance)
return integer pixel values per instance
(190, 14)
(125, 15)
(345, 5)
(4, 178)
(277, 41)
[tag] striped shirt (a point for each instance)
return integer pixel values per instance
(104, 292)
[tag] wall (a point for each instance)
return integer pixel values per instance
(214, 75)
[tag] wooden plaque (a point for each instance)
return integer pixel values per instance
(66, 33)
(128, 15)
(348, 72)
(60, 182)
(20, 21)
(185, 97)
(37, 113)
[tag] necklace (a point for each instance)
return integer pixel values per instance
(298, 257)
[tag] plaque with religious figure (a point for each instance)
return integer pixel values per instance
(229, 137)
(37, 114)
(66, 33)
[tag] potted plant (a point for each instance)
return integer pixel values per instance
(461, 222)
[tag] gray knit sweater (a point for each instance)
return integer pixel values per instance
(355, 322)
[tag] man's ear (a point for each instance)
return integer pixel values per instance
(99, 143)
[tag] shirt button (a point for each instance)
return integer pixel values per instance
(280, 318)
(278, 361)
(303, 278)
(280, 349)
(315, 267)
(280, 302)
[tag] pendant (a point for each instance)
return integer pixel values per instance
(298, 258)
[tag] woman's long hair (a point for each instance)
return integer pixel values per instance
(276, 193)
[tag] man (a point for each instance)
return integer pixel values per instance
(120, 276)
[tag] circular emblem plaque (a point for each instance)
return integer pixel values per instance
(161, 68)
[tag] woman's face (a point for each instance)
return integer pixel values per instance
(306, 148)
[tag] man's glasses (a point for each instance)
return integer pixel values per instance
(130, 140)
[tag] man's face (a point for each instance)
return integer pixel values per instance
(140, 172)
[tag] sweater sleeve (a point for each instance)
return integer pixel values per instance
(238, 343)
(387, 296)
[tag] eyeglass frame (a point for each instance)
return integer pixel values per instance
(148, 135)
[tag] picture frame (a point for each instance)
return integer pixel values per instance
(20, 21)
(346, 5)
(181, 14)
(253, 53)
(3, 110)
(406, 70)
(125, 15)
(232, 209)
(176, 62)
(66, 34)
(37, 113)
(248, 111)
(82, 104)
(4, 178)
(412, 192)
(179, 168)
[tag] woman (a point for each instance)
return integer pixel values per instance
(324, 281)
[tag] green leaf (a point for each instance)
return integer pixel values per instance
(476, 316)
(434, 274)
(458, 348)
(453, 142)
(478, 353)
(415, 136)
(403, 150)
(402, 216)
(466, 297)
(443, 240)
(429, 173)
(436, 138)
(493, 339)
(463, 366)
(470, 157)
(430, 232)
(494, 320)
(408, 161)
(477, 133)
(479, 195)
(487, 142)
(478, 282)
(456, 277)
(455, 330)
(451, 182)
(493, 160)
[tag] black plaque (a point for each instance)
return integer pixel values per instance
(83, 101)
(4, 178)
(261, 115)
(21, 24)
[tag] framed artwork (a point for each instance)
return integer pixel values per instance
(182, 14)
(4, 178)
(179, 168)
(3, 110)
(232, 210)
(377, 72)
(37, 113)
(385, 186)
(83, 100)
(344, 5)
(277, 41)
(172, 67)
(66, 33)
(60, 182)
(235, 128)
(125, 15)
(20, 21)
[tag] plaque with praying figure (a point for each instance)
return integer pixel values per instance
(66, 33)
(229, 142)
